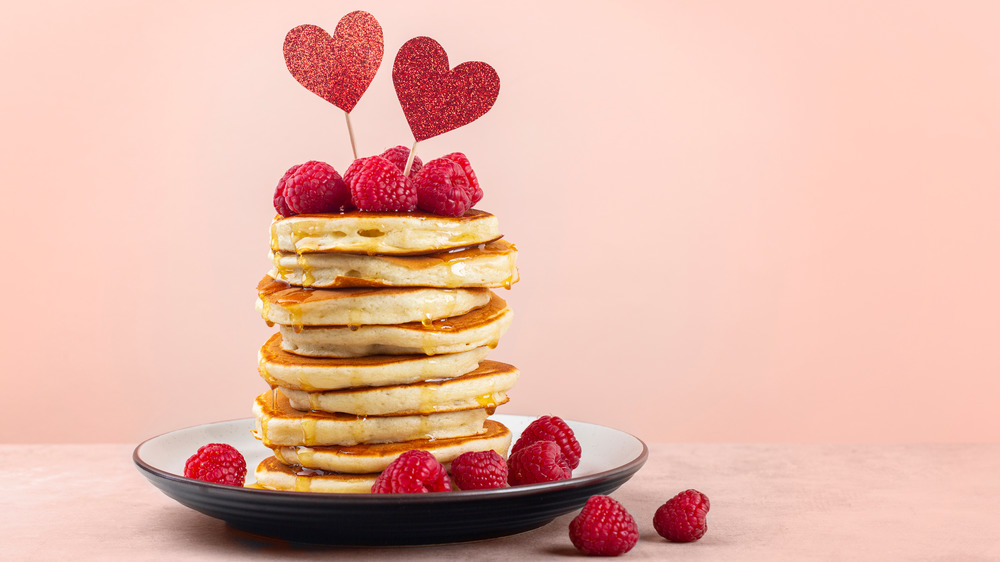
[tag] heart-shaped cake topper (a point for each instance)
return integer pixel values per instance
(340, 68)
(437, 99)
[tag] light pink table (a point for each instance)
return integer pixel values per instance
(769, 502)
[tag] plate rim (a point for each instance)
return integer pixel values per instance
(630, 467)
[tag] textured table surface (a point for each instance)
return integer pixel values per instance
(769, 502)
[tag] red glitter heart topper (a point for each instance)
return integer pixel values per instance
(340, 68)
(437, 99)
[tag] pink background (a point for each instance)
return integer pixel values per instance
(738, 221)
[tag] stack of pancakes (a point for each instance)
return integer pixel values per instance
(385, 320)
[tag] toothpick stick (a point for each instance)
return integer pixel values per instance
(350, 131)
(409, 159)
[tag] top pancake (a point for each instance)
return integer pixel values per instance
(371, 233)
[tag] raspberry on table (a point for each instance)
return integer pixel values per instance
(376, 184)
(551, 428)
(479, 470)
(398, 156)
(541, 461)
(413, 472)
(682, 517)
(312, 187)
(219, 463)
(447, 186)
(603, 528)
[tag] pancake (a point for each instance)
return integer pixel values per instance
(277, 423)
(482, 326)
(273, 475)
(485, 387)
(281, 303)
(485, 265)
(370, 233)
(281, 368)
(374, 458)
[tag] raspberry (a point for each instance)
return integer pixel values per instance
(447, 186)
(313, 187)
(603, 528)
(551, 428)
(460, 159)
(219, 463)
(414, 472)
(479, 470)
(279, 195)
(398, 155)
(682, 518)
(378, 185)
(541, 461)
(352, 171)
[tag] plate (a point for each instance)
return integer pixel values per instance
(610, 457)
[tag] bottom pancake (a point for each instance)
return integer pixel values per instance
(360, 459)
(273, 475)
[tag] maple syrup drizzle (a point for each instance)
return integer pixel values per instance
(284, 271)
(428, 396)
(308, 425)
(299, 230)
(295, 313)
(307, 271)
(306, 455)
(302, 483)
(354, 318)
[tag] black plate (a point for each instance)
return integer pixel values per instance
(610, 458)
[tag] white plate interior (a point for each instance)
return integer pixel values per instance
(604, 448)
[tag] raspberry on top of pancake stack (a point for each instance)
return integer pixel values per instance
(381, 289)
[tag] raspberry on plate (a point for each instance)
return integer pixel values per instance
(551, 428)
(219, 463)
(376, 184)
(413, 472)
(312, 187)
(447, 186)
(541, 461)
(479, 470)
(603, 528)
(682, 518)
(398, 155)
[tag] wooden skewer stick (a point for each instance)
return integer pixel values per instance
(350, 131)
(409, 159)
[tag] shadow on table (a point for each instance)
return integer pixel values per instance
(212, 537)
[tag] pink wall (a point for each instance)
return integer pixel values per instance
(738, 221)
